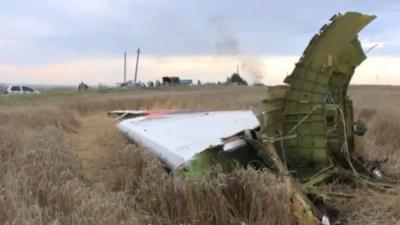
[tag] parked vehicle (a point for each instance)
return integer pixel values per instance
(19, 89)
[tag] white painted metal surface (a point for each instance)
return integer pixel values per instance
(176, 137)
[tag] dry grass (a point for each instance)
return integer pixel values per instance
(63, 162)
(371, 208)
(41, 183)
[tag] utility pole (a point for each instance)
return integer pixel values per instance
(137, 64)
(237, 68)
(124, 67)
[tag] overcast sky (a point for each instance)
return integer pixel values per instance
(66, 41)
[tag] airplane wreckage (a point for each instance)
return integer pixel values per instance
(302, 132)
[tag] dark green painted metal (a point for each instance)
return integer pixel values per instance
(215, 156)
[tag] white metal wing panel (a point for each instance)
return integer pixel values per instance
(177, 137)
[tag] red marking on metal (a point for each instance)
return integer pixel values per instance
(158, 113)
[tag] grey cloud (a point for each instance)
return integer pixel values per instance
(44, 30)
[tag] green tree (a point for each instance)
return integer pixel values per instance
(235, 78)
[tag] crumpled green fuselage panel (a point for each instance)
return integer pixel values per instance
(311, 119)
(317, 109)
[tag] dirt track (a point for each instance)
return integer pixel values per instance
(92, 144)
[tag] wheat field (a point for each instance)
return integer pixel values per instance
(63, 162)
